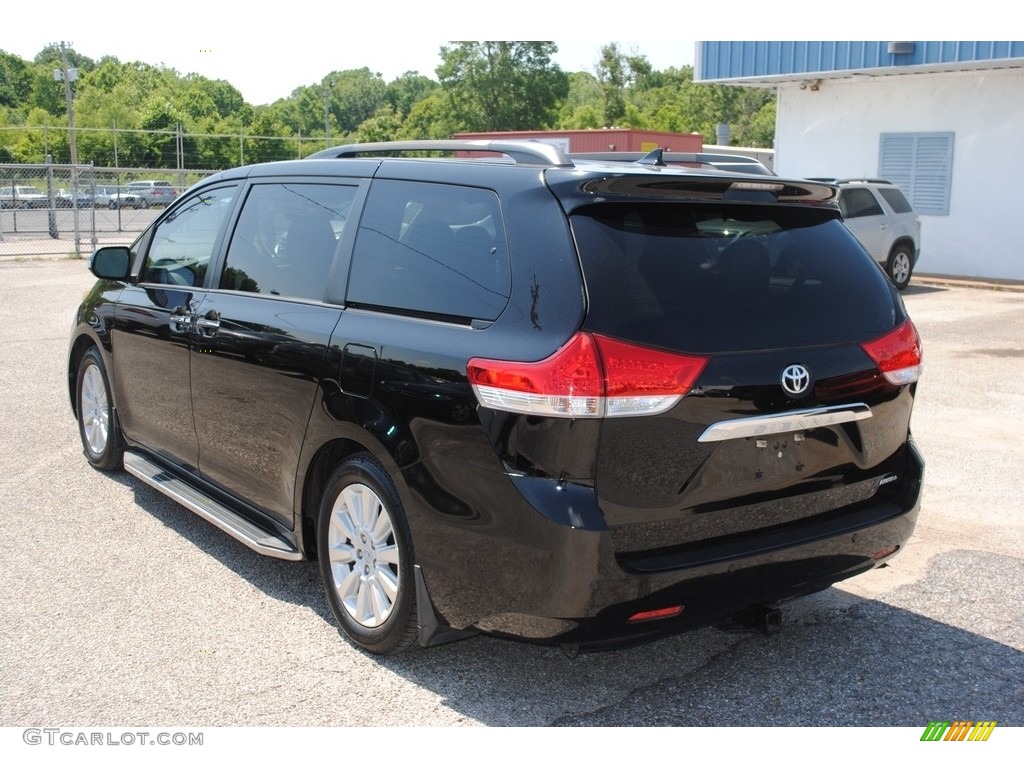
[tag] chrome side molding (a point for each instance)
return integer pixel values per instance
(790, 421)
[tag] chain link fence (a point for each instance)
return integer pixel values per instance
(178, 148)
(50, 209)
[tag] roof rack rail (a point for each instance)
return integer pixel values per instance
(660, 158)
(525, 152)
(853, 180)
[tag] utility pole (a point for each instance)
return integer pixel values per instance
(327, 113)
(69, 74)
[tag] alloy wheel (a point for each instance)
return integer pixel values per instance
(364, 557)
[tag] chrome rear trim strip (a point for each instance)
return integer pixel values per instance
(790, 421)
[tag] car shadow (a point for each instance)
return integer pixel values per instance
(839, 660)
(291, 582)
(919, 289)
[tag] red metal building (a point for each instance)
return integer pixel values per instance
(603, 139)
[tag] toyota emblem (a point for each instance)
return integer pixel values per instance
(795, 380)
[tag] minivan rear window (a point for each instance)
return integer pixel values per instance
(714, 278)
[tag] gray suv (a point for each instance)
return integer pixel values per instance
(882, 219)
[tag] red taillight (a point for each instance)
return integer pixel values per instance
(589, 377)
(658, 613)
(897, 354)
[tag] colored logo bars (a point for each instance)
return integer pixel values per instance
(959, 730)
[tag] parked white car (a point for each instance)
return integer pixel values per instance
(125, 198)
(22, 197)
(882, 219)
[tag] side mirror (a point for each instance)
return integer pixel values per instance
(113, 262)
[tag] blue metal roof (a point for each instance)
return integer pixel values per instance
(774, 61)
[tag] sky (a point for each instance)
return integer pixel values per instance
(268, 50)
(267, 58)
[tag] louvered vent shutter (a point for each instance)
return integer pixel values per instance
(921, 164)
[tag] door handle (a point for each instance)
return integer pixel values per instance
(180, 320)
(209, 323)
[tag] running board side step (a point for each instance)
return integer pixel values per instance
(253, 536)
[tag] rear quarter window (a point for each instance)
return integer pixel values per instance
(896, 200)
(858, 201)
(431, 249)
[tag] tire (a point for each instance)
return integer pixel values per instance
(143, 203)
(112, 205)
(365, 555)
(900, 265)
(97, 421)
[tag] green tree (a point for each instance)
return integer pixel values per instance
(50, 56)
(203, 98)
(385, 125)
(304, 111)
(160, 122)
(617, 72)
(350, 97)
(15, 80)
(678, 104)
(502, 85)
(37, 140)
(583, 106)
(356, 94)
(430, 118)
(268, 123)
(404, 92)
(48, 92)
(611, 74)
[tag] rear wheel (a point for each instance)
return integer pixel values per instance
(365, 555)
(900, 265)
(97, 422)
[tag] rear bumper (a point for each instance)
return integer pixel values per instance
(713, 592)
(583, 594)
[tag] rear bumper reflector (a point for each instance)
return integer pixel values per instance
(659, 613)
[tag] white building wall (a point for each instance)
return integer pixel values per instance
(835, 131)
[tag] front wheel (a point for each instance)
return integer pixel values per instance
(97, 422)
(900, 265)
(365, 555)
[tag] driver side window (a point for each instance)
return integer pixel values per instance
(182, 243)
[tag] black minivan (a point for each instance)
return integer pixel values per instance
(491, 388)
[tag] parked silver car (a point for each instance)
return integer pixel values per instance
(159, 193)
(67, 198)
(882, 219)
(124, 197)
(22, 197)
